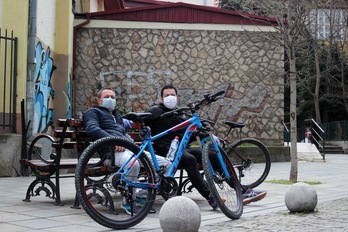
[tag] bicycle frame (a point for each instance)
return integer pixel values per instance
(191, 125)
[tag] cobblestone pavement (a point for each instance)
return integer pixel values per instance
(269, 214)
(328, 216)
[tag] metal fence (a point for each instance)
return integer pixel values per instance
(336, 131)
(8, 84)
(333, 131)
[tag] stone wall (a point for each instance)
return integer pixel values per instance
(138, 62)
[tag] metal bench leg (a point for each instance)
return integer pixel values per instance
(58, 200)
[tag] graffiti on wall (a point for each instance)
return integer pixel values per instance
(253, 100)
(235, 104)
(44, 93)
(129, 85)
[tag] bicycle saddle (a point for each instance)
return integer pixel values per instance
(235, 124)
(137, 117)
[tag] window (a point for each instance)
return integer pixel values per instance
(330, 23)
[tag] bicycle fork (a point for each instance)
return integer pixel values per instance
(218, 153)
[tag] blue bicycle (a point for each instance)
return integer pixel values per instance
(102, 187)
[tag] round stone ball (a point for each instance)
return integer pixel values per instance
(180, 214)
(301, 198)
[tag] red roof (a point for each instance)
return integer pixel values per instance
(182, 13)
(121, 4)
(138, 3)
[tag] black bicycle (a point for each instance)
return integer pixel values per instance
(249, 156)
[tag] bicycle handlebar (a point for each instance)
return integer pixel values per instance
(194, 107)
(218, 94)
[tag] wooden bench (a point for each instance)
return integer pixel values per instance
(46, 161)
(45, 157)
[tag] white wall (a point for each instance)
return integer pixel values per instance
(46, 13)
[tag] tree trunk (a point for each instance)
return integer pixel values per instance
(317, 85)
(293, 116)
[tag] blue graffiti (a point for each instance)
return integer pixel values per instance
(68, 94)
(43, 113)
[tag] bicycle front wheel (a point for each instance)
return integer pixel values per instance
(252, 160)
(226, 191)
(102, 190)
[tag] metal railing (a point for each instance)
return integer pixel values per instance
(286, 133)
(318, 134)
(8, 78)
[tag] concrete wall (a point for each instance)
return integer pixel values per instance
(45, 33)
(10, 154)
(53, 61)
(14, 18)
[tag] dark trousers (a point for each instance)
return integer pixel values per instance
(189, 160)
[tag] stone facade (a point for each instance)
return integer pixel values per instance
(138, 62)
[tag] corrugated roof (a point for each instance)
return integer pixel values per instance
(138, 3)
(182, 13)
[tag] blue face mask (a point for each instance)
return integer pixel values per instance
(109, 103)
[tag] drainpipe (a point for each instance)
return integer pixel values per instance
(74, 54)
(30, 89)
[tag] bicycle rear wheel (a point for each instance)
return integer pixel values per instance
(252, 160)
(220, 186)
(101, 190)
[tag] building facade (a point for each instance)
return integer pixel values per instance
(65, 54)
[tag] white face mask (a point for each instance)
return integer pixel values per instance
(170, 102)
(109, 103)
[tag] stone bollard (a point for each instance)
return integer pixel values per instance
(180, 214)
(301, 197)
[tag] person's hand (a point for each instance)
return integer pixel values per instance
(119, 149)
(127, 123)
(217, 140)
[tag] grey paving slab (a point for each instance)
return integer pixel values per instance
(270, 214)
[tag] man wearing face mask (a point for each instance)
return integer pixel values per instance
(191, 156)
(104, 120)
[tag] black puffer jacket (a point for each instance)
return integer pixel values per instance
(99, 122)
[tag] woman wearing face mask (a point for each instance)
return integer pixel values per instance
(190, 157)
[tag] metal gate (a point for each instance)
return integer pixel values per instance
(8, 81)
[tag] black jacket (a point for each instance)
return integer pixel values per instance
(99, 122)
(159, 124)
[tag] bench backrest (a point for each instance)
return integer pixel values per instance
(75, 137)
